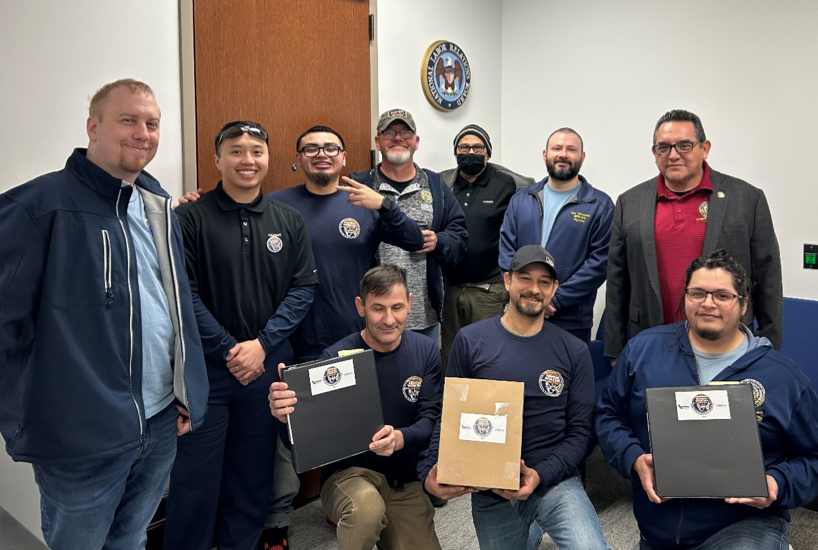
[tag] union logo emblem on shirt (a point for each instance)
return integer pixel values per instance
(411, 388)
(274, 243)
(703, 209)
(426, 196)
(349, 228)
(551, 383)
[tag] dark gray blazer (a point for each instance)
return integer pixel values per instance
(738, 220)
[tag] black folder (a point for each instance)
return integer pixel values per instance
(338, 409)
(705, 442)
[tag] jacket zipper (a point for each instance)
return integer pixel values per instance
(107, 266)
(681, 518)
(174, 274)
(130, 306)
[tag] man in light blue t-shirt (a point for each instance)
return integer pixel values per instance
(573, 220)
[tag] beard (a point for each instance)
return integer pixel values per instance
(709, 334)
(322, 179)
(562, 174)
(532, 311)
(398, 158)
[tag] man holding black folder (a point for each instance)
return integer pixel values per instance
(375, 497)
(713, 346)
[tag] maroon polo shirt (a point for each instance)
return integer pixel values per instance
(679, 229)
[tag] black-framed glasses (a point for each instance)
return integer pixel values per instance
(720, 297)
(235, 131)
(330, 150)
(682, 147)
(406, 133)
(479, 149)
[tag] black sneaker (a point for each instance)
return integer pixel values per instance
(273, 539)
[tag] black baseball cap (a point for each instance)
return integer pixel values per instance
(533, 253)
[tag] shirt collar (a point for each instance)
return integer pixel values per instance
(482, 180)
(227, 203)
(663, 191)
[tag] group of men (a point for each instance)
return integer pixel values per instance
(125, 324)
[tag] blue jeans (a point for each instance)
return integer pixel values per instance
(751, 533)
(108, 503)
(564, 512)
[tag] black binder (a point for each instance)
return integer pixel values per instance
(705, 442)
(338, 409)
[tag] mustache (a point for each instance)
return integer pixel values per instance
(532, 296)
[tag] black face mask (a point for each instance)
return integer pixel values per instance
(471, 163)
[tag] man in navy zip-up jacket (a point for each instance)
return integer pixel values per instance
(712, 345)
(101, 365)
(573, 221)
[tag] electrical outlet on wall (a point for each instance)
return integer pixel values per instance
(811, 256)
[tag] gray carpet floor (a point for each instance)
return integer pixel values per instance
(610, 494)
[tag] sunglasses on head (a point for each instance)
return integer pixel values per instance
(237, 130)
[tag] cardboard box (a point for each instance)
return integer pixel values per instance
(481, 433)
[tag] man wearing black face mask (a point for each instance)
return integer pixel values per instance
(573, 221)
(483, 190)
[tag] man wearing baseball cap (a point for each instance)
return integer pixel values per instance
(484, 190)
(421, 195)
(557, 414)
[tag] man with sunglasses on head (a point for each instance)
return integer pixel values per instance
(422, 195)
(483, 190)
(711, 344)
(688, 210)
(252, 272)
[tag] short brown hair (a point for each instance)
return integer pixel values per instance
(96, 107)
(380, 280)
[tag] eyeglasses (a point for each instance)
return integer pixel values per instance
(405, 133)
(479, 149)
(330, 150)
(682, 147)
(237, 130)
(720, 297)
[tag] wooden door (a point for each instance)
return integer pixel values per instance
(287, 64)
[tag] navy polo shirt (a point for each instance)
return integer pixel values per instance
(242, 259)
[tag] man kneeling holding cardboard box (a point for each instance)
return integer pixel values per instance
(556, 370)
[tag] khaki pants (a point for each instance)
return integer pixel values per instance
(368, 512)
(465, 305)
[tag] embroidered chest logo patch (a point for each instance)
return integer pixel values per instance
(349, 228)
(426, 196)
(274, 243)
(411, 388)
(759, 396)
(703, 208)
(551, 383)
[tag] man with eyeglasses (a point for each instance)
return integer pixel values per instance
(483, 190)
(252, 272)
(571, 219)
(421, 194)
(689, 209)
(346, 224)
(713, 345)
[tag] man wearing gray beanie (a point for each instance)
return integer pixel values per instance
(483, 190)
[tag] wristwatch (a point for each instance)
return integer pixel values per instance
(386, 204)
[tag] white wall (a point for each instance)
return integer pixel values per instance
(611, 69)
(404, 31)
(53, 57)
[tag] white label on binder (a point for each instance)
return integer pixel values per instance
(332, 377)
(702, 405)
(484, 428)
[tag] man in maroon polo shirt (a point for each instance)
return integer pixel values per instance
(663, 224)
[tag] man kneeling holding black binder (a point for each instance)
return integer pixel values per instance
(375, 497)
(712, 350)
